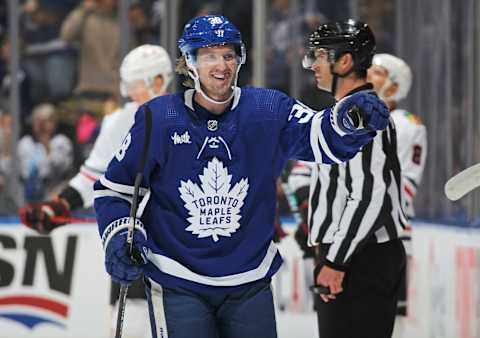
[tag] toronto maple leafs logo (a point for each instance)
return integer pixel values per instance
(214, 208)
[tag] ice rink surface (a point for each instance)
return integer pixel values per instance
(297, 325)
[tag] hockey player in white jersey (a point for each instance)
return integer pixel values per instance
(145, 73)
(392, 79)
(205, 221)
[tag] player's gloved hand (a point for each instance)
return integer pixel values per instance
(301, 237)
(45, 216)
(120, 266)
(360, 113)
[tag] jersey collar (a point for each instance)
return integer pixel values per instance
(188, 97)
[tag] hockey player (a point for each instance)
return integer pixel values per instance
(145, 73)
(205, 221)
(355, 214)
(391, 78)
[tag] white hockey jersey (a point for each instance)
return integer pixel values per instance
(113, 130)
(412, 153)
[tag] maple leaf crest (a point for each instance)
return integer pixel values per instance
(213, 207)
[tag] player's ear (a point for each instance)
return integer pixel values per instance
(158, 82)
(344, 63)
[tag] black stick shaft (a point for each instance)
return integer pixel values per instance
(133, 214)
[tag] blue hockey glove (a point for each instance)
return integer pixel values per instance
(359, 113)
(118, 263)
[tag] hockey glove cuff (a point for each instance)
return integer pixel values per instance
(123, 268)
(45, 216)
(359, 114)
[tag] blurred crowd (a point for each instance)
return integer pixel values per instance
(69, 74)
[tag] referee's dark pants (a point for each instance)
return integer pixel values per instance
(367, 306)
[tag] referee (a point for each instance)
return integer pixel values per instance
(355, 213)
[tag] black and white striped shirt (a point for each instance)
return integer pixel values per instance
(359, 201)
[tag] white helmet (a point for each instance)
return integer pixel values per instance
(145, 63)
(398, 72)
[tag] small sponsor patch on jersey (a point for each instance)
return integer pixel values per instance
(181, 139)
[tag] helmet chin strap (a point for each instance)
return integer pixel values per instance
(198, 87)
(336, 75)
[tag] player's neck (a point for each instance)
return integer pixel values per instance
(214, 108)
(346, 85)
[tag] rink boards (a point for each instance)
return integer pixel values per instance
(56, 286)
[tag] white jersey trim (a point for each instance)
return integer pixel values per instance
(174, 268)
(118, 225)
(121, 188)
(189, 93)
(110, 193)
(159, 313)
(316, 134)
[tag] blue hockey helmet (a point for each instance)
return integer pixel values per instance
(208, 31)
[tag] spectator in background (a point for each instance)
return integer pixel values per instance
(49, 62)
(45, 157)
(286, 29)
(5, 80)
(7, 203)
(279, 37)
(3, 17)
(94, 27)
(141, 25)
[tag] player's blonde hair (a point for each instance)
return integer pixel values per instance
(182, 69)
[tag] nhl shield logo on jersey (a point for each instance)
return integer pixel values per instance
(213, 207)
(212, 125)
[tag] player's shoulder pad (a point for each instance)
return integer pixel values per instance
(409, 116)
(265, 101)
(167, 109)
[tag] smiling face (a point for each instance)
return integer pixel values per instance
(217, 67)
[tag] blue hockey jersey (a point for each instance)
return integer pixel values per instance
(209, 188)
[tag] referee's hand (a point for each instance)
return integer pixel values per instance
(330, 278)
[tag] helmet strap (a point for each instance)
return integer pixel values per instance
(336, 75)
(193, 73)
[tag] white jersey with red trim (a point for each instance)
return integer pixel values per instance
(113, 130)
(412, 153)
(300, 175)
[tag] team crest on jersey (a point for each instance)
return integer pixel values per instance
(214, 207)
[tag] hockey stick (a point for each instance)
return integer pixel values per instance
(463, 182)
(133, 253)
